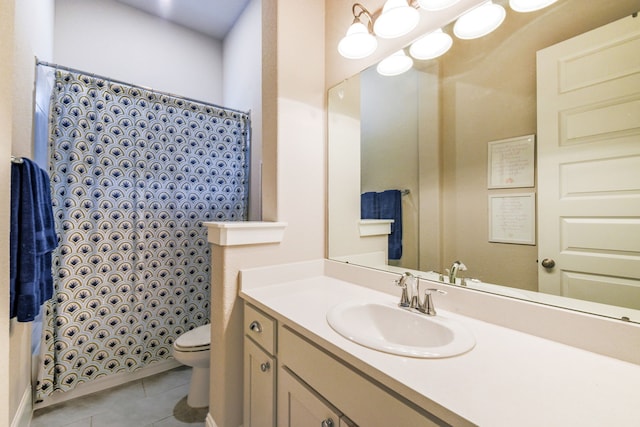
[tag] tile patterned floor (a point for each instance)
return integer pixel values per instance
(156, 401)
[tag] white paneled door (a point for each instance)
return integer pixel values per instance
(589, 165)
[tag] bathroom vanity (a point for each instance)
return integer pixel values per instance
(299, 371)
(312, 382)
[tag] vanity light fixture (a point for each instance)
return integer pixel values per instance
(395, 64)
(431, 45)
(396, 20)
(479, 21)
(359, 42)
(399, 17)
(436, 4)
(529, 5)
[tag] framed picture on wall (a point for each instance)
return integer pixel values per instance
(512, 218)
(511, 162)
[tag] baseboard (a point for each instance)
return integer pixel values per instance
(23, 415)
(107, 382)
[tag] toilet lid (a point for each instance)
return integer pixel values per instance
(195, 339)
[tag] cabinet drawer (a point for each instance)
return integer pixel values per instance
(299, 405)
(366, 402)
(260, 328)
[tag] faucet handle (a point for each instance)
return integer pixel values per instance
(427, 306)
(402, 282)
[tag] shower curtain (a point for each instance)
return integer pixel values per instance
(134, 174)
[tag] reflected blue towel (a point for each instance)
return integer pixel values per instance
(390, 205)
(385, 205)
(369, 206)
(33, 238)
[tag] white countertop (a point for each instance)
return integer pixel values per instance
(509, 379)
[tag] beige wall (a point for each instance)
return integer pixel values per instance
(6, 119)
(32, 32)
(293, 107)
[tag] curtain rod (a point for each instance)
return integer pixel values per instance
(159, 92)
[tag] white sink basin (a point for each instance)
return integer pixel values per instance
(394, 330)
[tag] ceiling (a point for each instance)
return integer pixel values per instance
(211, 17)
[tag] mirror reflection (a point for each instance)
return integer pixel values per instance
(476, 143)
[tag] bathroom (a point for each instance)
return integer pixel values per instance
(292, 103)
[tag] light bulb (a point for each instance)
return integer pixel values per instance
(529, 5)
(396, 20)
(436, 4)
(479, 21)
(395, 64)
(431, 46)
(358, 42)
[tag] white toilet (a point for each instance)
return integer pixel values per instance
(193, 349)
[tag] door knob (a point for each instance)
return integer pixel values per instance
(327, 423)
(548, 263)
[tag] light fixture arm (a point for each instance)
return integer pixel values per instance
(358, 14)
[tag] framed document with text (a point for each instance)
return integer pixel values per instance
(511, 162)
(512, 218)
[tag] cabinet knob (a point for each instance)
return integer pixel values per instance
(548, 263)
(327, 423)
(255, 326)
(264, 367)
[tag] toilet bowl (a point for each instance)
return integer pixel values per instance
(193, 349)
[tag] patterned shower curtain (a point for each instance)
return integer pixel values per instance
(134, 175)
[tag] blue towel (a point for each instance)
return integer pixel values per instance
(33, 238)
(385, 205)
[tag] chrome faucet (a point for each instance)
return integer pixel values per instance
(453, 272)
(410, 298)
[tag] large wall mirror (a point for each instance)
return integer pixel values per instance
(513, 104)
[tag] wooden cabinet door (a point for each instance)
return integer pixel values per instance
(300, 406)
(259, 386)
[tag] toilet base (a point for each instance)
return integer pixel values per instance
(199, 388)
